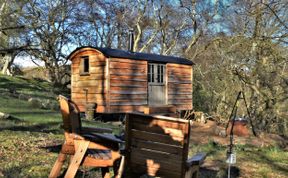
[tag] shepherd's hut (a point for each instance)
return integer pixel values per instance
(127, 81)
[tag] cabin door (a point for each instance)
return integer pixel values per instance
(156, 84)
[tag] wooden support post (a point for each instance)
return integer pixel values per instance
(58, 165)
(81, 148)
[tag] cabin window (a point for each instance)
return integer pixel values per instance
(84, 65)
(156, 73)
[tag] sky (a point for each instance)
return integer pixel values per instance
(25, 61)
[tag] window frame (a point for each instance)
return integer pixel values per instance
(84, 66)
(156, 74)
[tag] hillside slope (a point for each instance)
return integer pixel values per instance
(31, 139)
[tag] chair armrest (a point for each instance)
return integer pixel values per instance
(97, 130)
(197, 159)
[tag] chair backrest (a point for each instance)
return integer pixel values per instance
(157, 145)
(70, 115)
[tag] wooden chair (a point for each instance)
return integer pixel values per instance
(87, 146)
(158, 146)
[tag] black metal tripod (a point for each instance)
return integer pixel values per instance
(234, 113)
(233, 117)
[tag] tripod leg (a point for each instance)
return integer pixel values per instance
(249, 115)
(232, 112)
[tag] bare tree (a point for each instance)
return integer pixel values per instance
(49, 25)
(11, 28)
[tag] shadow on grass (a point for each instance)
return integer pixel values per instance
(204, 172)
(42, 128)
(9, 84)
(45, 112)
(274, 166)
(52, 148)
(222, 173)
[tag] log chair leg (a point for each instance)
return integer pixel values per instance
(82, 147)
(54, 173)
(118, 171)
(105, 172)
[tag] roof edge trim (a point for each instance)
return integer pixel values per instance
(81, 49)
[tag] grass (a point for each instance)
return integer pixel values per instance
(27, 146)
(251, 161)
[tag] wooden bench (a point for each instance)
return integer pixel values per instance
(158, 146)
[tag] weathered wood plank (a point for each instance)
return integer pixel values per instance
(127, 100)
(90, 96)
(97, 70)
(121, 65)
(178, 141)
(132, 74)
(77, 77)
(136, 103)
(172, 122)
(179, 73)
(160, 157)
(126, 108)
(129, 92)
(181, 92)
(126, 96)
(177, 70)
(89, 83)
(179, 66)
(180, 96)
(157, 146)
(91, 100)
(180, 85)
(128, 71)
(96, 63)
(128, 61)
(128, 77)
(174, 81)
(114, 82)
(158, 130)
(127, 88)
(91, 89)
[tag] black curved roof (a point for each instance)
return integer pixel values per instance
(108, 52)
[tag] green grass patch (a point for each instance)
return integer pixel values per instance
(251, 161)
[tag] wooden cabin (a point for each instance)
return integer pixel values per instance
(125, 81)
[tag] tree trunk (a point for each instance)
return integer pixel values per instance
(54, 75)
(8, 61)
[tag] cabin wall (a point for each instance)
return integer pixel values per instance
(127, 85)
(179, 86)
(94, 81)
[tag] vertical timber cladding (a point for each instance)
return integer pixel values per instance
(93, 80)
(128, 85)
(180, 86)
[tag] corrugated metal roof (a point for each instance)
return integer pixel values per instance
(116, 53)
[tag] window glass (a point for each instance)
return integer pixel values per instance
(152, 73)
(156, 73)
(162, 74)
(84, 65)
(149, 73)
